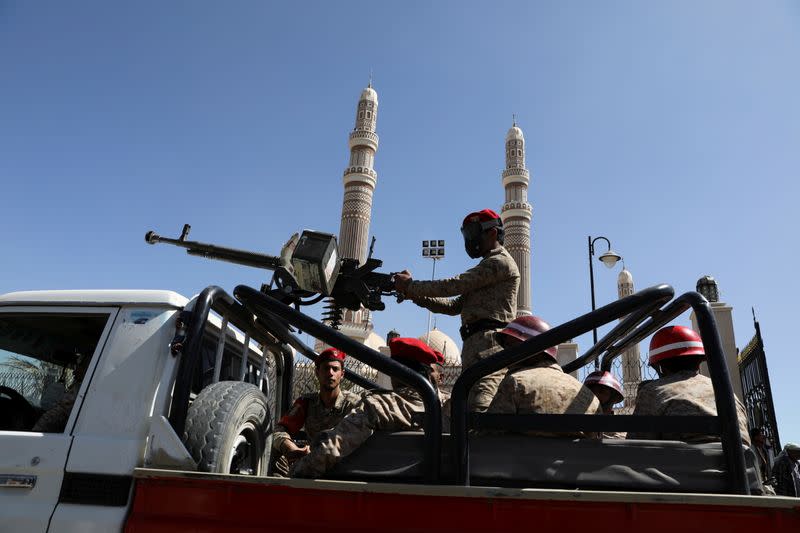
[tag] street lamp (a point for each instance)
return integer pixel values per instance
(609, 258)
(433, 249)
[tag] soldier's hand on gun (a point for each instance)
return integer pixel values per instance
(294, 452)
(402, 280)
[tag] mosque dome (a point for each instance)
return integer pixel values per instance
(369, 94)
(441, 342)
(374, 341)
(625, 277)
(514, 133)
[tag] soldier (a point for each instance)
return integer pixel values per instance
(485, 297)
(315, 412)
(786, 471)
(538, 385)
(54, 420)
(400, 410)
(676, 353)
(609, 391)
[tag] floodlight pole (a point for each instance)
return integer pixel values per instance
(435, 252)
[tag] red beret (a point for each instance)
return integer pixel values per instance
(331, 354)
(485, 215)
(413, 349)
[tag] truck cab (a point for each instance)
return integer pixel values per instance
(86, 379)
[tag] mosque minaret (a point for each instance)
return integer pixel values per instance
(359, 186)
(360, 179)
(517, 214)
(631, 363)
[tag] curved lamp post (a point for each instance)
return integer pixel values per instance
(609, 258)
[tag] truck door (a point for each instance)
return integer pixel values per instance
(47, 358)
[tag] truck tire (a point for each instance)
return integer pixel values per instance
(227, 427)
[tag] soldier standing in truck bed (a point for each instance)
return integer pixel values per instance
(313, 412)
(485, 296)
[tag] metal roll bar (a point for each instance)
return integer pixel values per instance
(262, 305)
(641, 309)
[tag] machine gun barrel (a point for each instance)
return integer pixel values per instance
(220, 253)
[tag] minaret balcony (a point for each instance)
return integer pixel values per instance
(363, 138)
(516, 209)
(360, 174)
(517, 171)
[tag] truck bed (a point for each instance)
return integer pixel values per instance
(176, 501)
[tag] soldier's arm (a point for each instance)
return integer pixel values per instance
(445, 306)
(741, 414)
(487, 272)
(505, 400)
(292, 422)
(54, 420)
(335, 444)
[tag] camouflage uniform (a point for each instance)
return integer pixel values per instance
(400, 410)
(544, 388)
(310, 413)
(486, 291)
(54, 420)
(786, 474)
(682, 393)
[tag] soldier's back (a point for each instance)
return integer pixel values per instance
(684, 393)
(544, 388)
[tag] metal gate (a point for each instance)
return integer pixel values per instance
(757, 391)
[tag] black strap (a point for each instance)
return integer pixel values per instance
(484, 324)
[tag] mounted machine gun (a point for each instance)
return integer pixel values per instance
(307, 270)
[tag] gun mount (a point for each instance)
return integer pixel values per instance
(307, 270)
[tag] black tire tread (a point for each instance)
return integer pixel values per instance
(207, 415)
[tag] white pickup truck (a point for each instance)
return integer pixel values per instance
(169, 431)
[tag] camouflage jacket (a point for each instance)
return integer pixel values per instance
(544, 388)
(400, 410)
(488, 290)
(310, 413)
(682, 393)
(786, 474)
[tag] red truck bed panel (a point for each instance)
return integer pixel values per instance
(181, 502)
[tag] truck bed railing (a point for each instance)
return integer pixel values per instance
(643, 316)
(264, 306)
(265, 330)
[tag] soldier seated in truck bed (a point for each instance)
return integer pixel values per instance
(539, 385)
(314, 412)
(399, 410)
(676, 353)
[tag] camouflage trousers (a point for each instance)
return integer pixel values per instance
(477, 347)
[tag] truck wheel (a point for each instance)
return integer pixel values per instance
(227, 427)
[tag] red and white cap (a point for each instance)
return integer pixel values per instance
(606, 379)
(675, 341)
(527, 327)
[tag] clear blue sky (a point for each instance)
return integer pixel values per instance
(671, 128)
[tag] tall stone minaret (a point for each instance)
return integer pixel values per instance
(359, 185)
(631, 362)
(517, 214)
(360, 179)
